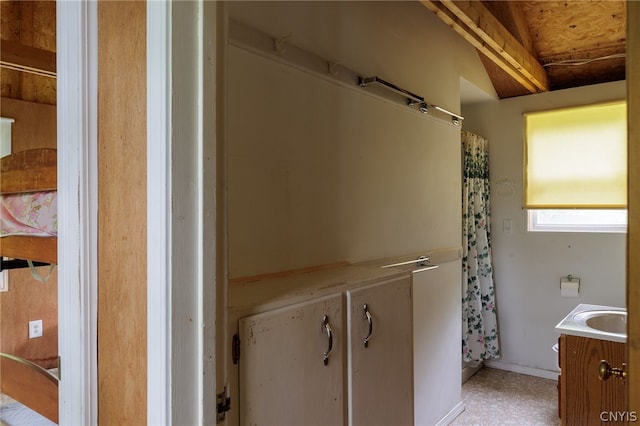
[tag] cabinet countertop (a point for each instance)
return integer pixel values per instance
(254, 296)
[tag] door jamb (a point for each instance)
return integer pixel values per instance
(77, 95)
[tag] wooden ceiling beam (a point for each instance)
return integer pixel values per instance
(17, 56)
(511, 16)
(473, 21)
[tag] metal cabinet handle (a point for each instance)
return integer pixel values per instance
(327, 329)
(367, 316)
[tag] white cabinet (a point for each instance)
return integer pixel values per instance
(380, 383)
(284, 379)
(283, 376)
(437, 348)
(409, 373)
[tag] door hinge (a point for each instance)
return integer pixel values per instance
(223, 404)
(235, 349)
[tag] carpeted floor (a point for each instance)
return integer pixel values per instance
(496, 397)
(13, 413)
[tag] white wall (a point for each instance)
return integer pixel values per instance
(528, 266)
(320, 173)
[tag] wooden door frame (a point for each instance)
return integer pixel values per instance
(184, 276)
(633, 236)
(173, 344)
(77, 95)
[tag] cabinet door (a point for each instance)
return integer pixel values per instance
(380, 373)
(587, 400)
(283, 377)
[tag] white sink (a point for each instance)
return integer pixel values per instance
(604, 320)
(596, 322)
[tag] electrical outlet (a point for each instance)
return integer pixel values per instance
(35, 329)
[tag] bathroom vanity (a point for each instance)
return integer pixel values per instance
(589, 390)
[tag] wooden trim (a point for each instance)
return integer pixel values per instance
(159, 324)
(30, 388)
(512, 16)
(122, 211)
(633, 232)
(77, 118)
(37, 249)
(279, 274)
(473, 21)
(17, 56)
(28, 171)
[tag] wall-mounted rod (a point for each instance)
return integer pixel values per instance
(364, 82)
(420, 261)
(459, 117)
(412, 98)
(265, 45)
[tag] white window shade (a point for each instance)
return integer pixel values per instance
(576, 157)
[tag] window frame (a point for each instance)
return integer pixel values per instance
(533, 224)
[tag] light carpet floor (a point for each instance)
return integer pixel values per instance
(495, 397)
(12, 413)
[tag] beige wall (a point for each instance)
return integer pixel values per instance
(528, 266)
(322, 173)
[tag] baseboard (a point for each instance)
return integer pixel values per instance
(468, 371)
(451, 415)
(530, 371)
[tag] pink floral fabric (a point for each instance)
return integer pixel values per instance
(34, 214)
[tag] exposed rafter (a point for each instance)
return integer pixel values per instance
(473, 21)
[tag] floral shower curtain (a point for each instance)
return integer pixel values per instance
(480, 329)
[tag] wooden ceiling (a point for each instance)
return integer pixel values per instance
(521, 43)
(531, 46)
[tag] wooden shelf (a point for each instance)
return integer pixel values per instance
(17, 56)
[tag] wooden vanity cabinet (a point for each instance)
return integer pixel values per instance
(584, 398)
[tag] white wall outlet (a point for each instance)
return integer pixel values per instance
(35, 329)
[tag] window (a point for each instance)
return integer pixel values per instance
(577, 220)
(576, 169)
